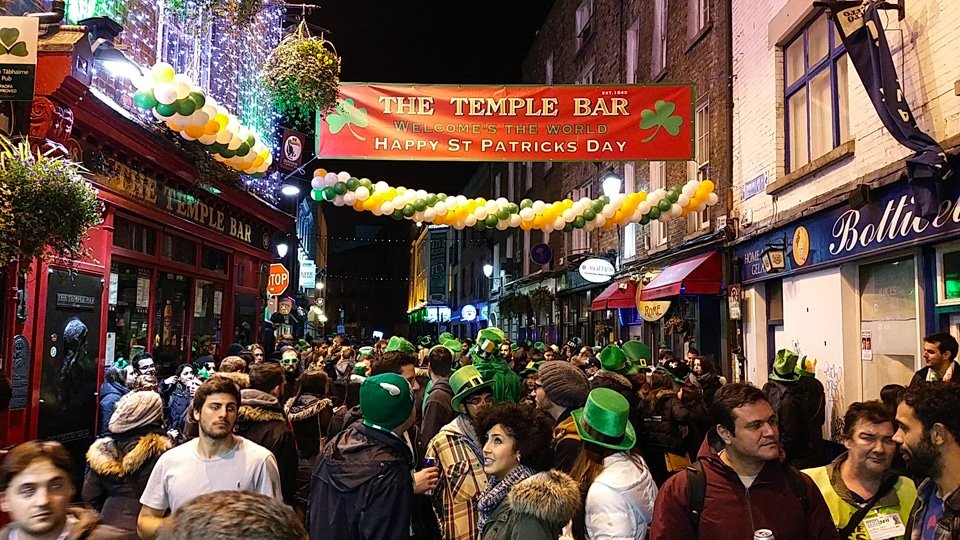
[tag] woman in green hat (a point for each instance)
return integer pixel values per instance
(619, 491)
(518, 503)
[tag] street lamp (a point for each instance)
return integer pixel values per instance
(611, 183)
(488, 269)
(290, 190)
(282, 248)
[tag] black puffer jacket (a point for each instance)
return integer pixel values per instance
(663, 422)
(362, 487)
(260, 419)
(310, 416)
(119, 467)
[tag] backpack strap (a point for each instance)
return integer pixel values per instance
(799, 488)
(696, 494)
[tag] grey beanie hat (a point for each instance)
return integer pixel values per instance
(136, 409)
(564, 383)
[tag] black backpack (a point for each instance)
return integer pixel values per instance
(697, 492)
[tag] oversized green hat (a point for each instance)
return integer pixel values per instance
(465, 382)
(385, 401)
(453, 345)
(365, 351)
(807, 367)
(360, 368)
(539, 346)
(445, 336)
(785, 366)
(612, 358)
(398, 343)
(531, 367)
(490, 338)
(605, 420)
(636, 351)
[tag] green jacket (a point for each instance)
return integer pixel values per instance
(536, 509)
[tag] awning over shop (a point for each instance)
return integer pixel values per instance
(620, 294)
(699, 275)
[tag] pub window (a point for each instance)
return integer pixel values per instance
(179, 250)
(213, 259)
(948, 275)
(133, 236)
(815, 93)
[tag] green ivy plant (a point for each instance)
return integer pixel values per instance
(302, 76)
(47, 206)
(243, 12)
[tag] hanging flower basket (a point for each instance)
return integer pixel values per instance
(46, 206)
(302, 76)
(541, 299)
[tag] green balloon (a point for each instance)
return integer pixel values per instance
(420, 205)
(353, 184)
(409, 210)
(228, 153)
(605, 199)
(514, 208)
(340, 188)
(166, 110)
(251, 140)
(491, 221)
(526, 203)
(598, 206)
(480, 226)
(185, 106)
(664, 205)
(673, 197)
(243, 149)
(316, 194)
(503, 213)
(398, 215)
(654, 213)
(442, 196)
(589, 214)
(431, 199)
(579, 222)
(145, 99)
(644, 220)
(198, 99)
(328, 193)
(568, 227)
(215, 148)
(365, 182)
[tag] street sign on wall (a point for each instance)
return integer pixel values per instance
(621, 122)
(18, 57)
(279, 279)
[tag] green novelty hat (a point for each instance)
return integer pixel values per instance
(453, 345)
(445, 336)
(785, 366)
(531, 367)
(400, 344)
(465, 382)
(612, 358)
(605, 420)
(385, 401)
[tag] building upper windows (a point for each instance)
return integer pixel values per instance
(584, 24)
(815, 93)
(658, 58)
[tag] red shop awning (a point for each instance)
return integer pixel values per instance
(620, 294)
(699, 275)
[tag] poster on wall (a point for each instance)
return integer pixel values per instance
(866, 345)
(70, 357)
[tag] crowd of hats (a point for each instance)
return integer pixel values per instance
(460, 212)
(187, 109)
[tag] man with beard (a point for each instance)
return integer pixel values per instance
(940, 356)
(928, 428)
(216, 460)
(859, 486)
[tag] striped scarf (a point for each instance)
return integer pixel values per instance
(496, 491)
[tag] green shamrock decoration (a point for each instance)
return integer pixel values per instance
(347, 114)
(9, 43)
(662, 117)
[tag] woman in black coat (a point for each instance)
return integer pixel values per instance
(665, 419)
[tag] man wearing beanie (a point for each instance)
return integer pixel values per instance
(119, 465)
(561, 389)
(367, 467)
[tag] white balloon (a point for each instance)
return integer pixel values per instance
(470, 220)
(350, 198)
(165, 93)
(330, 179)
(527, 214)
(683, 200)
(459, 225)
(418, 217)
(599, 221)
(338, 200)
(559, 223)
(538, 207)
(461, 200)
(481, 212)
(185, 136)
(503, 225)
(644, 207)
(224, 136)
(376, 211)
(440, 208)
(316, 183)
(381, 186)
(676, 210)
(401, 190)
(398, 201)
(688, 191)
(514, 220)
(712, 199)
(362, 193)
(547, 228)
(343, 176)
(701, 207)
(387, 207)
(410, 196)
(208, 139)
(182, 89)
(429, 214)
(608, 211)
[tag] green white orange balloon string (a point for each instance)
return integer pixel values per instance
(186, 108)
(460, 212)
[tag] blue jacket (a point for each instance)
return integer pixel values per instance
(110, 394)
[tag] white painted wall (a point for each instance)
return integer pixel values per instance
(924, 47)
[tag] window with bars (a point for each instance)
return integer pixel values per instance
(633, 52)
(584, 26)
(658, 179)
(700, 167)
(579, 239)
(698, 14)
(815, 93)
(586, 75)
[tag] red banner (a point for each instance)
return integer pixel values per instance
(509, 123)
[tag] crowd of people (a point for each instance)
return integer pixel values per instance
(491, 440)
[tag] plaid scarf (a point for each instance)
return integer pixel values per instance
(496, 491)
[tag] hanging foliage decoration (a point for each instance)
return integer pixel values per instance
(460, 212)
(46, 206)
(303, 76)
(242, 12)
(187, 109)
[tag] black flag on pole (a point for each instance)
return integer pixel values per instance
(862, 35)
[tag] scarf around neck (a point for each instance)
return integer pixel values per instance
(470, 435)
(496, 491)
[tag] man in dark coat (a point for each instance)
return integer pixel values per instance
(261, 420)
(362, 486)
(940, 357)
(437, 411)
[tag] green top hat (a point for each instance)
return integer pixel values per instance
(488, 344)
(445, 336)
(539, 346)
(514, 346)
(612, 358)
(636, 351)
(605, 420)
(531, 367)
(465, 382)
(398, 343)
(365, 351)
(785, 366)
(453, 345)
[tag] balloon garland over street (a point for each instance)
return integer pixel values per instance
(460, 212)
(176, 100)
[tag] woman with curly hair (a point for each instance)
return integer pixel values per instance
(520, 503)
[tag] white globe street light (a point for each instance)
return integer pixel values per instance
(611, 184)
(488, 269)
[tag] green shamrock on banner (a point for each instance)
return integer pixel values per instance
(9, 43)
(662, 117)
(347, 114)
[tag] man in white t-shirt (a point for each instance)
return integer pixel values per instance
(217, 460)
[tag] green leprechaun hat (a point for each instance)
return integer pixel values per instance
(785, 366)
(445, 336)
(453, 345)
(637, 353)
(605, 420)
(531, 367)
(539, 346)
(398, 343)
(612, 358)
(488, 343)
(465, 382)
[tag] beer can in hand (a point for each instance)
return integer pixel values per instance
(763, 534)
(427, 463)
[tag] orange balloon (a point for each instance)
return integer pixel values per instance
(211, 128)
(358, 206)
(320, 172)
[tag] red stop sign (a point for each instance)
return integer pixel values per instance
(279, 279)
